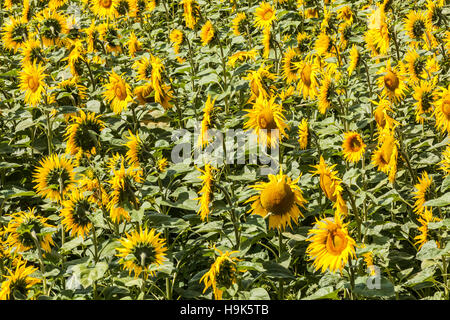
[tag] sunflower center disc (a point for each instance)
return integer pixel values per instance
(336, 242)
(266, 120)
(306, 75)
(446, 106)
(355, 144)
(33, 83)
(327, 187)
(106, 3)
(277, 199)
(391, 81)
(120, 92)
(267, 14)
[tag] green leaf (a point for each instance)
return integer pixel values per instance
(324, 293)
(429, 251)
(439, 202)
(259, 294)
(275, 270)
(373, 287)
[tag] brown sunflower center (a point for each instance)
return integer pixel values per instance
(226, 275)
(33, 83)
(267, 14)
(355, 144)
(446, 106)
(278, 199)
(336, 241)
(106, 3)
(120, 91)
(328, 186)
(391, 81)
(306, 75)
(418, 28)
(266, 120)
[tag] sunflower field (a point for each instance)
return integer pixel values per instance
(99, 98)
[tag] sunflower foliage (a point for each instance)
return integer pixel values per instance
(93, 204)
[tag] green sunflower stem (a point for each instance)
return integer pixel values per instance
(234, 217)
(41, 259)
(49, 133)
(352, 279)
(280, 252)
(445, 276)
(225, 80)
(90, 74)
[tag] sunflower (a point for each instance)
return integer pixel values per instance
(162, 164)
(32, 52)
(156, 79)
(52, 26)
(109, 32)
(415, 66)
(423, 193)
(82, 134)
(142, 251)
(425, 218)
(205, 194)
(266, 40)
(15, 34)
(309, 70)
(54, 178)
(204, 138)
(265, 15)
(279, 199)
(25, 228)
(32, 82)
(221, 274)
(143, 93)
(330, 184)
(445, 162)
(434, 13)
(207, 33)
(104, 8)
(423, 94)
(385, 156)
(442, 108)
(88, 182)
(127, 8)
(303, 134)
(392, 81)
(353, 146)
(117, 92)
(242, 56)
(261, 82)
(133, 44)
(70, 92)
(176, 37)
(355, 59)
(326, 93)
(418, 28)
(345, 13)
(267, 121)
(18, 282)
(291, 61)
(324, 46)
(303, 41)
(377, 35)
(135, 148)
(75, 214)
(368, 259)
(331, 246)
(123, 185)
(191, 12)
(381, 115)
(240, 24)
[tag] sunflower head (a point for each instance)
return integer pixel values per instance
(331, 246)
(82, 134)
(54, 177)
(18, 281)
(267, 121)
(25, 229)
(207, 33)
(303, 134)
(52, 26)
(141, 252)
(15, 34)
(117, 92)
(442, 108)
(279, 199)
(75, 214)
(265, 15)
(32, 82)
(222, 273)
(353, 146)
